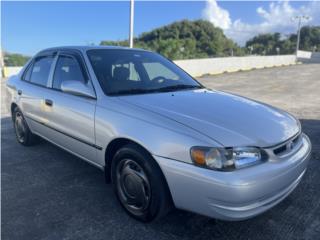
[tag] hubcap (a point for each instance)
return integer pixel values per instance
(20, 127)
(133, 186)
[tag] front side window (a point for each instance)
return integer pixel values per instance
(121, 71)
(67, 69)
(40, 70)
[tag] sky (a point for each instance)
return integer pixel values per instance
(28, 27)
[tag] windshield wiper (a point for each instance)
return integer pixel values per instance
(132, 91)
(178, 87)
(162, 89)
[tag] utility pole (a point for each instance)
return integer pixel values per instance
(131, 23)
(299, 19)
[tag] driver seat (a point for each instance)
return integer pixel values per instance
(120, 78)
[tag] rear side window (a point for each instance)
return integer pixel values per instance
(67, 69)
(40, 70)
(27, 73)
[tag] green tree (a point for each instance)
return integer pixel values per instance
(265, 44)
(310, 38)
(268, 43)
(14, 59)
(185, 39)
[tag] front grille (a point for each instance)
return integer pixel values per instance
(287, 146)
(280, 150)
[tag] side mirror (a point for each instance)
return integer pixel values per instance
(77, 88)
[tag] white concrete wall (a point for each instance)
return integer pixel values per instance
(304, 54)
(309, 57)
(9, 71)
(199, 67)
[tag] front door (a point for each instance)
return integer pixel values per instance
(71, 117)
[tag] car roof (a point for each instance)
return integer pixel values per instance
(85, 48)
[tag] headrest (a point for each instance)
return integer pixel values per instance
(121, 73)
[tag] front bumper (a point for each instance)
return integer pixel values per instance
(236, 195)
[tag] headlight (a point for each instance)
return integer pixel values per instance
(225, 159)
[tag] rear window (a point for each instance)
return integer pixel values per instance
(27, 73)
(40, 70)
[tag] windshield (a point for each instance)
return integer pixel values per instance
(121, 71)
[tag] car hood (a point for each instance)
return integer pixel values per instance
(228, 119)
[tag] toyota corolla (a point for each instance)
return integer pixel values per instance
(161, 138)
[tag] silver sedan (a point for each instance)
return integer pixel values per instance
(162, 139)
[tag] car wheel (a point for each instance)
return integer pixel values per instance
(22, 131)
(139, 184)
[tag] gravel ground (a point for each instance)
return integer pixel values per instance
(50, 194)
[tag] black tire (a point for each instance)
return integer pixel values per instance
(23, 134)
(139, 184)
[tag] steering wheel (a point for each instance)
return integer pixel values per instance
(159, 79)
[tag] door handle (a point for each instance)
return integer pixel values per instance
(48, 102)
(19, 92)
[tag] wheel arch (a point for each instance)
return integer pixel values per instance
(114, 146)
(13, 106)
(110, 151)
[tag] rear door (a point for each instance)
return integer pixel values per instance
(33, 89)
(71, 117)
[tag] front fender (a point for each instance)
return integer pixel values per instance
(159, 135)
